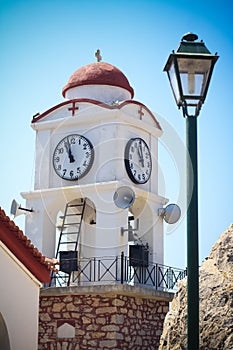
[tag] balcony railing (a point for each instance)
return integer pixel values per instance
(119, 269)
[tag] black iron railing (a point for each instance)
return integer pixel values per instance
(120, 269)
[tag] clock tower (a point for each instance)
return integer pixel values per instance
(96, 167)
(97, 209)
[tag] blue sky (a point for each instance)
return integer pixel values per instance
(43, 42)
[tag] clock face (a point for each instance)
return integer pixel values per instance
(138, 161)
(73, 157)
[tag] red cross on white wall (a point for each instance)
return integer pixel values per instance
(73, 108)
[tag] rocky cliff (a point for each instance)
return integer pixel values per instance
(216, 302)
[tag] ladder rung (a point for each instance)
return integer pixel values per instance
(70, 233)
(74, 242)
(67, 240)
(74, 214)
(71, 223)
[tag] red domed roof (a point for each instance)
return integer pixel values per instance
(98, 73)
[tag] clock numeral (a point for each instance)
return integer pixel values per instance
(139, 177)
(78, 170)
(85, 163)
(132, 149)
(131, 165)
(59, 167)
(134, 173)
(57, 159)
(71, 173)
(143, 176)
(64, 172)
(72, 140)
(60, 150)
(84, 146)
(87, 154)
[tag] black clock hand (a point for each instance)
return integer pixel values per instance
(68, 149)
(141, 159)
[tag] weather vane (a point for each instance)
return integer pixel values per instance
(98, 55)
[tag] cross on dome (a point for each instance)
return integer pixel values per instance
(98, 55)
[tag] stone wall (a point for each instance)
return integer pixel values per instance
(112, 317)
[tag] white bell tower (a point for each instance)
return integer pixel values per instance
(97, 151)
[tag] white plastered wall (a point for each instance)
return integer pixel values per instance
(109, 131)
(19, 302)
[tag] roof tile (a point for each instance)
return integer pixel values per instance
(20, 245)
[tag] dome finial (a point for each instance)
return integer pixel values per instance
(98, 55)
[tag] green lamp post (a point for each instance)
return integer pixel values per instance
(189, 71)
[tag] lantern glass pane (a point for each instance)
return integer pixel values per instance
(173, 82)
(192, 84)
(194, 74)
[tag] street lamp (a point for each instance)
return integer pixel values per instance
(189, 71)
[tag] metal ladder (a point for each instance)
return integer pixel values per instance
(68, 238)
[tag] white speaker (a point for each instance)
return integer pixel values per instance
(170, 214)
(124, 197)
(17, 210)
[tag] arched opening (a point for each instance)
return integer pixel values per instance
(4, 337)
(71, 222)
(140, 239)
(74, 224)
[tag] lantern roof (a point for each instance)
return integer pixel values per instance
(187, 45)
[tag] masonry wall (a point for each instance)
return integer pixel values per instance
(110, 318)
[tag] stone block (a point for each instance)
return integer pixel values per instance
(80, 332)
(98, 334)
(101, 320)
(46, 303)
(105, 310)
(118, 302)
(92, 327)
(110, 328)
(109, 344)
(117, 319)
(71, 307)
(138, 341)
(57, 307)
(45, 317)
(119, 336)
(68, 299)
(110, 335)
(87, 309)
(86, 320)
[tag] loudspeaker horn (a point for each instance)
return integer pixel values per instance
(124, 197)
(17, 210)
(170, 214)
